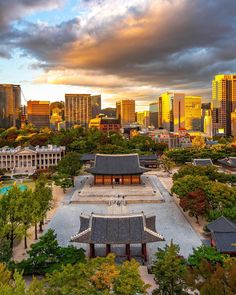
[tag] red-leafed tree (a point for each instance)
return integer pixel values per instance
(195, 203)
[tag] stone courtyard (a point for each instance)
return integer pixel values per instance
(144, 193)
(170, 221)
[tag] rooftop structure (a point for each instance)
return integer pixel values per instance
(202, 162)
(223, 235)
(105, 124)
(117, 169)
(228, 163)
(147, 161)
(117, 229)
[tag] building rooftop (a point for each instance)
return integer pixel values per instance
(202, 162)
(230, 162)
(117, 229)
(10, 150)
(91, 157)
(223, 232)
(124, 164)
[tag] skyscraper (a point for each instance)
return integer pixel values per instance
(187, 112)
(233, 124)
(166, 110)
(125, 110)
(193, 112)
(223, 103)
(177, 110)
(143, 118)
(10, 102)
(39, 113)
(153, 114)
(78, 109)
(96, 105)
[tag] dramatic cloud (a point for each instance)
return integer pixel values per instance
(134, 45)
(11, 10)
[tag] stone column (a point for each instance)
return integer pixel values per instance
(127, 251)
(108, 249)
(91, 251)
(144, 251)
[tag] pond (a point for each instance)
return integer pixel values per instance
(5, 189)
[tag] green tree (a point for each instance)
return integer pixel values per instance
(46, 255)
(70, 165)
(169, 271)
(63, 180)
(97, 276)
(129, 280)
(208, 254)
(26, 216)
(10, 211)
(42, 202)
(188, 184)
(166, 163)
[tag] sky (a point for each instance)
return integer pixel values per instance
(121, 49)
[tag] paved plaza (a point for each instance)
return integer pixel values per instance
(90, 194)
(170, 221)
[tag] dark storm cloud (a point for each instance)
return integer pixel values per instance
(11, 10)
(181, 43)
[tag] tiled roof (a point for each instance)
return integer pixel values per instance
(117, 165)
(231, 161)
(202, 162)
(224, 234)
(117, 229)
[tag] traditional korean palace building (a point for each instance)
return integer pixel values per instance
(117, 169)
(223, 235)
(29, 159)
(117, 229)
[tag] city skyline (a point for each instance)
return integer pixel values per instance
(140, 50)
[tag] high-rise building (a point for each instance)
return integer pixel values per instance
(153, 114)
(223, 103)
(166, 110)
(78, 109)
(125, 111)
(207, 123)
(233, 124)
(10, 102)
(179, 111)
(96, 105)
(192, 112)
(39, 113)
(143, 118)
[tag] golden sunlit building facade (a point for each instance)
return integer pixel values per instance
(166, 110)
(193, 112)
(233, 124)
(78, 109)
(179, 111)
(223, 103)
(10, 103)
(125, 111)
(39, 113)
(143, 118)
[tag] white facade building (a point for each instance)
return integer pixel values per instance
(29, 159)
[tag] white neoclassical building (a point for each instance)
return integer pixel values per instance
(27, 160)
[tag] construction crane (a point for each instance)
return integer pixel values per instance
(22, 93)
